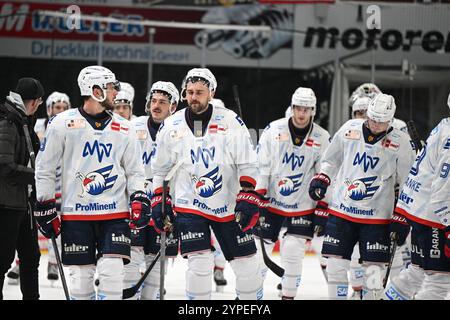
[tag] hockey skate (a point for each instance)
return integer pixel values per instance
(13, 275)
(356, 295)
(52, 272)
(219, 279)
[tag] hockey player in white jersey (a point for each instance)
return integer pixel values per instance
(289, 154)
(161, 101)
(365, 159)
(214, 187)
(99, 169)
(123, 103)
(424, 204)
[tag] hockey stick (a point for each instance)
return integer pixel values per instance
(60, 268)
(412, 130)
(237, 101)
(279, 271)
(129, 292)
(391, 259)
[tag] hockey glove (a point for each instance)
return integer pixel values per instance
(247, 209)
(161, 223)
(447, 242)
(318, 186)
(47, 219)
(399, 228)
(140, 210)
(320, 218)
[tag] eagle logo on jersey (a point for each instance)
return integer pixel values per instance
(96, 182)
(209, 184)
(361, 189)
(289, 185)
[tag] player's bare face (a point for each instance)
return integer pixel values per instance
(301, 116)
(159, 107)
(123, 109)
(377, 127)
(111, 94)
(59, 107)
(198, 96)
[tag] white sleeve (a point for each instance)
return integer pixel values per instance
(325, 144)
(48, 159)
(132, 164)
(440, 185)
(264, 160)
(332, 158)
(164, 158)
(405, 160)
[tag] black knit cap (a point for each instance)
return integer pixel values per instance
(29, 89)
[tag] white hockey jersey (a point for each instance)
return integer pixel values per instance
(425, 197)
(99, 167)
(147, 147)
(364, 175)
(285, 169)
(207, 182)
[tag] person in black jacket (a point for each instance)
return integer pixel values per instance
(18, 146)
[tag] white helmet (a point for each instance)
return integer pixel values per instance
(382, 108)
(126, 94)
(304, 97)
(448, 100)
(54, 98)
(166, 87)
(367, 89)
(218, 103)
(96, 76)
(361, 104)
(203, 73)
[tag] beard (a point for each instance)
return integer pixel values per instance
(107, 105)
(198, 107)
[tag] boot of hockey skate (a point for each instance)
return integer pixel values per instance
(219, 279)
(279, 288)
(52, 272)
(13, 275)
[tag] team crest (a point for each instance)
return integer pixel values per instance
(96, 182)
(209, 184)
(361, 189)
(289, 185)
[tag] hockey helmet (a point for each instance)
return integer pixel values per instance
(56, 97)
(382, 108)
(203, 74)
(96, 76)
(304, 97)
(126, 94)
(167, 88)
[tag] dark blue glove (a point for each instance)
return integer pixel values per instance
(47, 219)
(320, 218)
(247, 209)
(399, 228)
(167, 223)
(318, 186)
(140, 210)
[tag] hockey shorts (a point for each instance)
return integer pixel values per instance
(341, 236)
(427, 248)
(195, 236)
(81, 240)
(272, 224)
